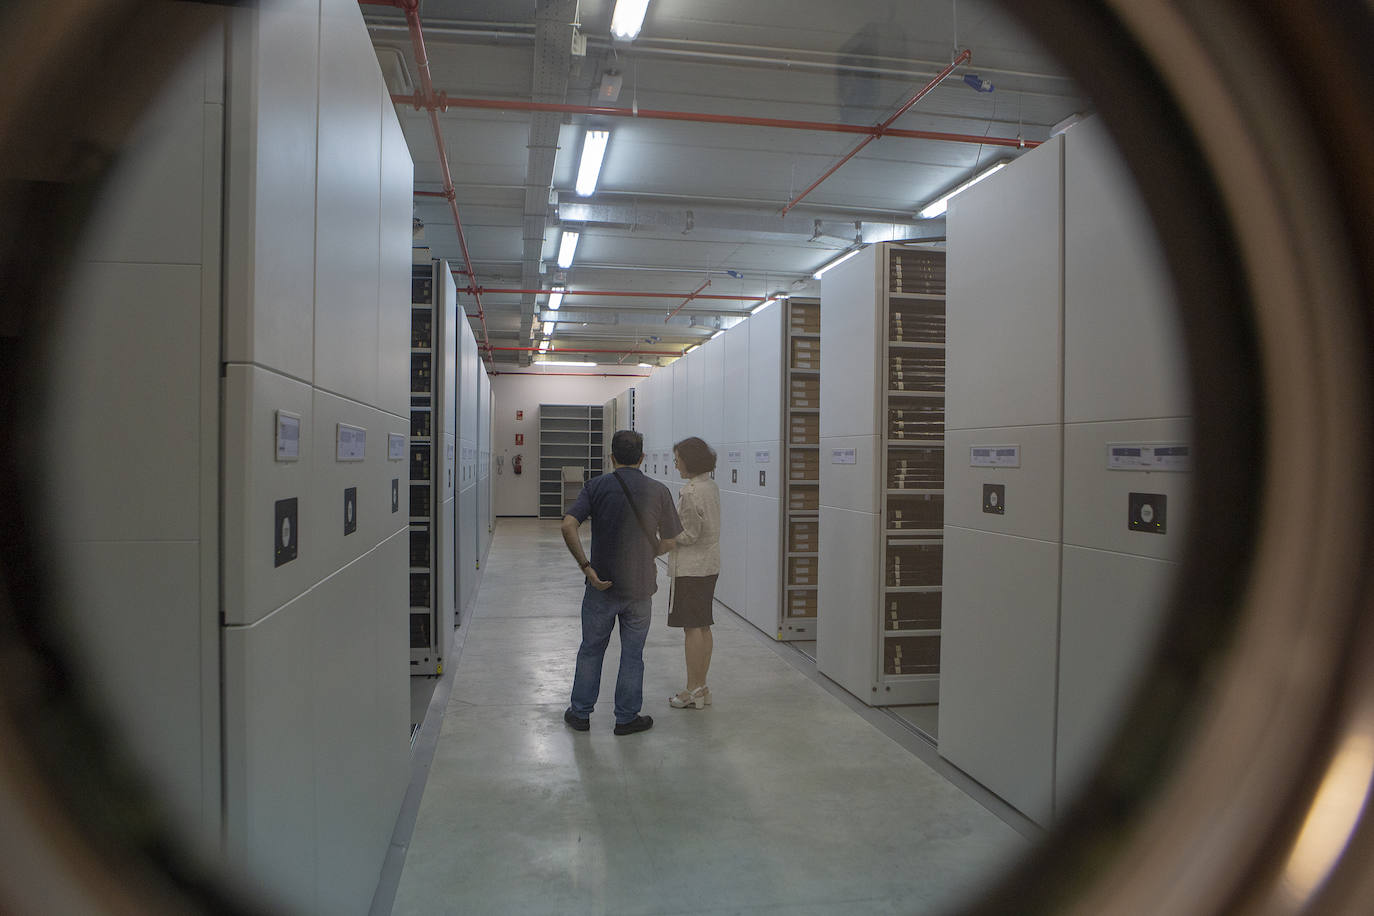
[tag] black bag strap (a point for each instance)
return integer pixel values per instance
(653, 541)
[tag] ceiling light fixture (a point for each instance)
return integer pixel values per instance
(837, 261)
(646, 365)
(556, 298)
(628, 18)
(938, 206)
(715, 335)
(548, 328)
(544, 346)
(561, 362)
(567, 247)
(589, 169)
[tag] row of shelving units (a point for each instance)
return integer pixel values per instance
(571, 452)
(449, 494)
(986, 502)
(734, 391)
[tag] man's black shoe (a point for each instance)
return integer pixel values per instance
(577, 721)
(637, 724)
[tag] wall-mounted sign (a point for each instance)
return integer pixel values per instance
(288, 436)
(844, 456)
(519, 415)
(734, 455)
(350, 442)
(395, 447)
(763, 456)
(1148, 456)
(994, 456)
(519, 438)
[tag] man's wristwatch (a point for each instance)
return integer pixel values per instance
(583, 566)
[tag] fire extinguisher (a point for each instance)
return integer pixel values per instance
(517, 463)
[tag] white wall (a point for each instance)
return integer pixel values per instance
(519, 495)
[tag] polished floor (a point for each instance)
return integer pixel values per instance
(781, 797)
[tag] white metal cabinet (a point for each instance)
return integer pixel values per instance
(1119, 309)
(1004, 333)
(997, 667)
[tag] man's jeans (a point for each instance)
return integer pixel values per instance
(599, 613)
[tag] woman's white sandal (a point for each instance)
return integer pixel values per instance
(698, 699)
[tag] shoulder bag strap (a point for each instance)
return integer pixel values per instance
(653, 541)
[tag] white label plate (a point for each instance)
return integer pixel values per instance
(734, 455)
(351, 443)
(288, 436)
(763, 457)
(844, 456)
(395, 447)
(994, 456)
(1149, 456)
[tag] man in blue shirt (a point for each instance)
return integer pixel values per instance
(633, 520)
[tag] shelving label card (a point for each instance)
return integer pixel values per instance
(844, 456)
(351, 443)
(395, 447)
(288, 436)
(1149, 456)
(763, 457)
(994, 456)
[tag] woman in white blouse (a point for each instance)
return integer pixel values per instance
(694, 565)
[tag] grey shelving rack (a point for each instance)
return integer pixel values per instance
(569, 434)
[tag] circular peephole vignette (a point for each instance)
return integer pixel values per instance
(1293, 81)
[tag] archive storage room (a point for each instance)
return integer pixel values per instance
(361, 300)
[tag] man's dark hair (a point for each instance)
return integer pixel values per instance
(697, 457)
(627, 447)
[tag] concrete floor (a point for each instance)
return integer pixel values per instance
(780, 797)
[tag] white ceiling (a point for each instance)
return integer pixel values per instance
(681, 203)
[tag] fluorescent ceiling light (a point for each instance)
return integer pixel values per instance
(646, 365)
(837, 261)
(937, 207)
(556, 298)
(544, 346)
(589, 169)
(717, 334)
(560, 362)
(628, 18)
(567, 248)
(548, 328)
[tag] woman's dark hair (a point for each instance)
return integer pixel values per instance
(627, 447)
(697, 457)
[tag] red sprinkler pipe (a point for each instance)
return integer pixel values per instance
(582, 350)
(605, 292)
(685, 301)
(881, 129)
(445, 102)
(576, 374)
(417, 39)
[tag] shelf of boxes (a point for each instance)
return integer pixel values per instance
(912, 511)
(424, 659)
(801, 565)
